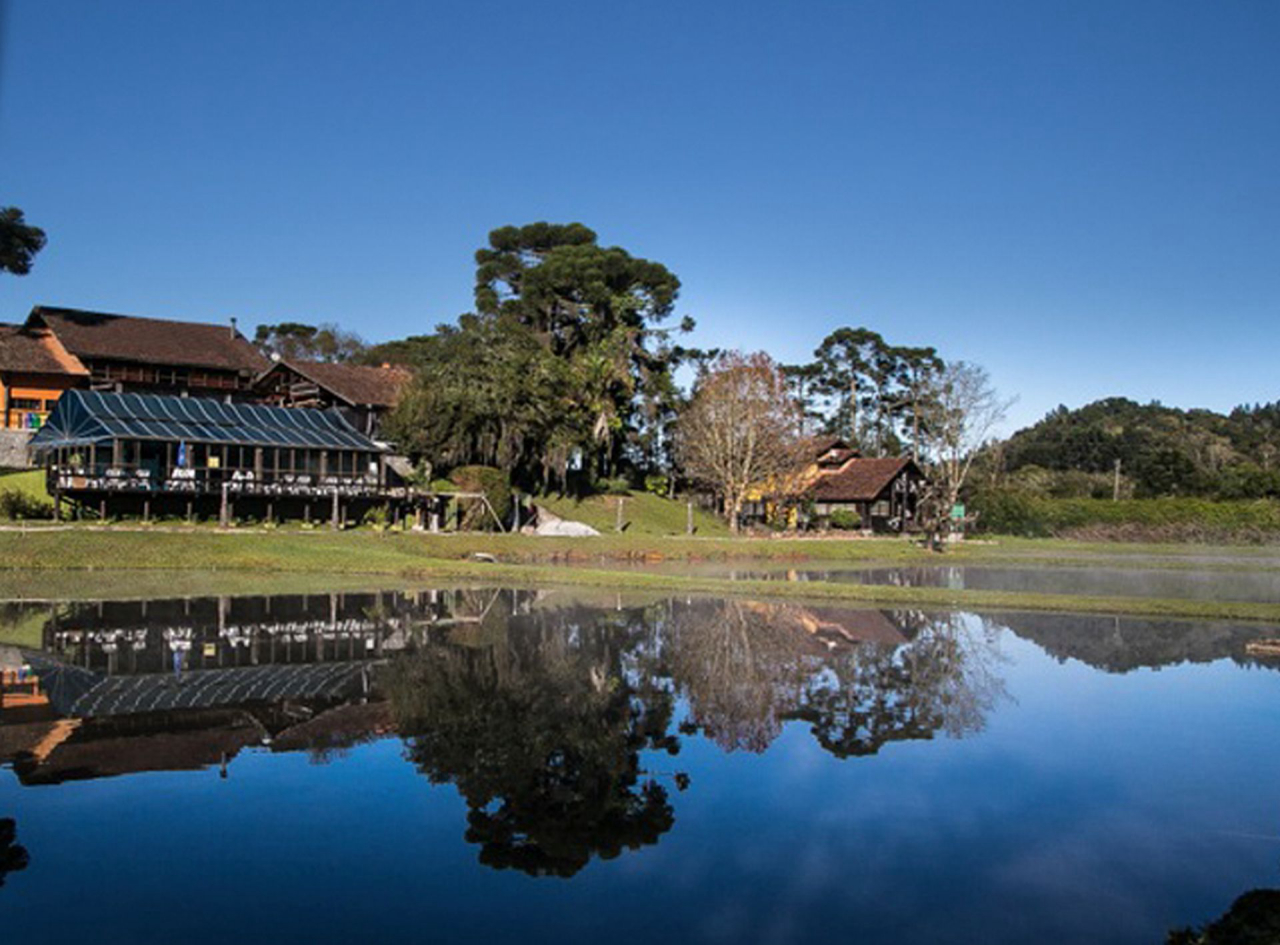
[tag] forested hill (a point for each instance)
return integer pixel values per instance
(1162, 450)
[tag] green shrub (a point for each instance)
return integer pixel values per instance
(493, 483)
(18, 505)
(657, 484)
(1007, 512)
(378, 517)
(846, 520)
(613, 485)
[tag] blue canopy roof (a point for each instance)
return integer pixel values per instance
(83, 417)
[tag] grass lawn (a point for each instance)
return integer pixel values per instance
(29, 482)
(20, 626)
(523, 561)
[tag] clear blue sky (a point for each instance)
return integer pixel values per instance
(1083, 196)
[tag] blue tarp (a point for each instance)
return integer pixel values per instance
(82, 418)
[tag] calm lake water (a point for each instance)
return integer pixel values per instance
(489, 765)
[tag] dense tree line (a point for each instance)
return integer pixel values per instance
(1161, 451)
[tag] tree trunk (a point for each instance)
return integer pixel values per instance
(853, 412)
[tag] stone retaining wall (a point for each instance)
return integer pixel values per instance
(13, 449)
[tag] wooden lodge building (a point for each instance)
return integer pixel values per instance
(363, 394)
(881, 493)
(191, 456)
(128, 354)
(35, 370)
(63, 349)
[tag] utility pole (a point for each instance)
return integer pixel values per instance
(1115, 488)
(617, 525)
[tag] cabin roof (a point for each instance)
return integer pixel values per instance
(155, 341)
(860, 480)
(82, 418)
(356, 384)
(842, 626)
(34, 351)
(216, 688)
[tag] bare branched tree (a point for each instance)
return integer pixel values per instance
(740, 430)
(962, 412)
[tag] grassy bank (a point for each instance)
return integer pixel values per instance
(362, 551)
(642, 514)
(23, 495)
(49, 557)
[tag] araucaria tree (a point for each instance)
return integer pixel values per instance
(308, 342)
(568, 361)
(870, 392)
(961, 413)
(741, 430)
(19, 242)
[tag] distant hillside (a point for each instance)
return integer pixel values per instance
(1163, 450)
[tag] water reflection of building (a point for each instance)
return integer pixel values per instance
(139, 637)
(178, 684)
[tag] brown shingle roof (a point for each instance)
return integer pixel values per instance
(861, 480)
(149, 340)
(33, 351)
(856, 626)
(357, 384)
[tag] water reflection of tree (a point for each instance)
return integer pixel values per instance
(944, 680)
(12, 856)
(539, 715)
(1123, 644)
(539, 724)
(740, 666)
(746, 668)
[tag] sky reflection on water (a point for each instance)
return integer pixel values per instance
(523, 765)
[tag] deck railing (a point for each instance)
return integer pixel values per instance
(206, 481)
